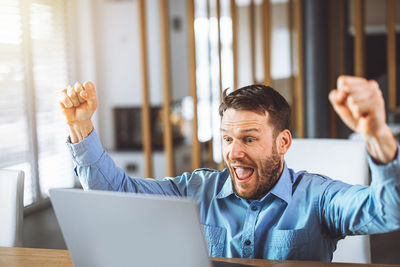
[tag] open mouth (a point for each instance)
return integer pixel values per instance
(243, 173)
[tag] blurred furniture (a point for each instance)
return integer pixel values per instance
(11, 207)
(13, 257)
(340, 159)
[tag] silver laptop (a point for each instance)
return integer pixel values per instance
(104, 228)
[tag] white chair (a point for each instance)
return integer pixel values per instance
(340, 159)
(11, 207)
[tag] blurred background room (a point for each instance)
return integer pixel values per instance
(159, 68)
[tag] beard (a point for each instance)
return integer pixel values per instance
(267, 176)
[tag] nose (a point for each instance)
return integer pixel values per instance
(236, 151)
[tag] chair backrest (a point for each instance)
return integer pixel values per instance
(11, 207)
(340, 159)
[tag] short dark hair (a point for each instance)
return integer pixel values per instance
(259, 98)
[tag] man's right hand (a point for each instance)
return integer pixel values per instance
(78, 103)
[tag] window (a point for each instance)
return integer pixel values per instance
(33, 68)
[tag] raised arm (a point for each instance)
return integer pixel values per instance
(78, 103)
(350, 210)
(95, 168)
(359, 103)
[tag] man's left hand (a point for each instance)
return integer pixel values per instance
(359, 103)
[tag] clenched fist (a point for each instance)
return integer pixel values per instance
(78, 103)
(359, 103)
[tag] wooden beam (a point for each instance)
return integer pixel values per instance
(196, 160)
(332, 65)
(211, 163)
(266, 8)
(211, 145)
(218, 4)
(299, 91)
(166, 63)
(252, 24)
(234, 43)
(359, 42)
(391, 52)
(146, 120)
(342, 37)
(292, 78)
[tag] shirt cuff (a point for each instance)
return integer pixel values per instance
(390, 170)
(88, 151)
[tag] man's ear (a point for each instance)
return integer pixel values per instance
(283, 141)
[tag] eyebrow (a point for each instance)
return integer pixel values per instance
(244, 130)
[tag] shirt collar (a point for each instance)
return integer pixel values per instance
(227, 188)
(282, 189)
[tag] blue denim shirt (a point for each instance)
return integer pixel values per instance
(301, 218)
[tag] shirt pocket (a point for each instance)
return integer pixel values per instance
(215, 238)
(288, 245)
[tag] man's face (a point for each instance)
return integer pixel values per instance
(250, 152)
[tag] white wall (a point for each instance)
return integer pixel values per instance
(81, 44)
(118, 61)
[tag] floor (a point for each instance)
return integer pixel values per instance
(41, 230)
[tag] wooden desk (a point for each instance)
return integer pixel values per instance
(33, 257)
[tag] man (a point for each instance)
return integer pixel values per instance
(258, 207)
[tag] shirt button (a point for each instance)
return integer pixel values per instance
(254, 208)
(247, 242)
